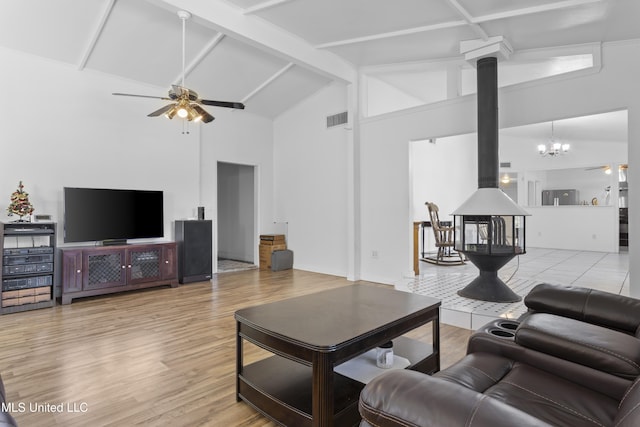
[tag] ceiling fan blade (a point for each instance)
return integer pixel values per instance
(141, 96)
(191, 94)
(225, 104)
(161, 111)
(206, 117)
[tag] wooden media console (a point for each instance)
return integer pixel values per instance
(98, 270)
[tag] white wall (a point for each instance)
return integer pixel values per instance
(578, 228)
(62, 127)
(381, 97)
(310, 171)
(444, 172)
(386, 214)
(243, 138)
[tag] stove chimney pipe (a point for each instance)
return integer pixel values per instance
(487, 93)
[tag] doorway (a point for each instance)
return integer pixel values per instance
(236, 217)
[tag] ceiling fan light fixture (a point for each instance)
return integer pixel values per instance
(203, 116)
(192, 115)
(183, 112)
(172, 112)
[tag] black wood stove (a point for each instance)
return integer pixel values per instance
(489, 227)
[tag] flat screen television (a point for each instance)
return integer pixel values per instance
(112, 216)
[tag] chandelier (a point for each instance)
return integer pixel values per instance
(553, 147)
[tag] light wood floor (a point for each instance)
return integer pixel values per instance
(160, 357)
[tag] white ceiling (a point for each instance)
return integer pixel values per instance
(606, 128)
(271, 54)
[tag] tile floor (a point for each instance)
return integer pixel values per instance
(230, 265)
(598, 270)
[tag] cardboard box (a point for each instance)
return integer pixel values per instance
(42, 297)
(272, 239)
(43, 290)
(18, 301)
(26, 296)
(265, 254)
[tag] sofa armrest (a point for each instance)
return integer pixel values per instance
(588, 305)
(408, 398)
(591, 345)
(5, 417)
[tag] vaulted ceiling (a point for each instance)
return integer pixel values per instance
(271, 54)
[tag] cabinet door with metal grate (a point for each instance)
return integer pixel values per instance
(144, 265)
(105, 270)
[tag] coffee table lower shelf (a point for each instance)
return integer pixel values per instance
(282, 389)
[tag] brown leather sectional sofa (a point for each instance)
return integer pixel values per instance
(572, 360)
(6, 420)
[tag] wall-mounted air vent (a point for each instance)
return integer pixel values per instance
(505, 164)
(337, 119)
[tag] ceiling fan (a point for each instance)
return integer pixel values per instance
(606, 168)
(186, 103)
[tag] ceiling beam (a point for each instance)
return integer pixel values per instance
(408, 31)
(468, 20)
(200, 57)
(256, 32)
(533, 9)
(96, 34)
(267, 82)
(264, 5)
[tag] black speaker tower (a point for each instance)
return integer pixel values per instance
(194, 250)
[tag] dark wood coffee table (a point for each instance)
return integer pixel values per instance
(310, 335)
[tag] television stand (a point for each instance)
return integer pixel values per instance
(98, 270)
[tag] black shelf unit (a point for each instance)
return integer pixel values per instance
(27, 266)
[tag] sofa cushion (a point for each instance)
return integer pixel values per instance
(600, 348)
(533, 391)
(553, 399)
(412, 399)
